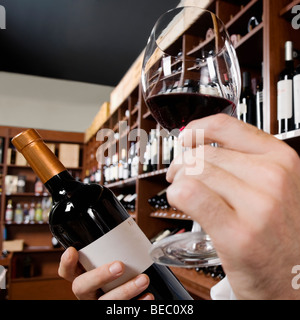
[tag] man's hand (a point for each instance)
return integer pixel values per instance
(248, 200)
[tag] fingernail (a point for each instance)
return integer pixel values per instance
(141, 281)
(116, 268)
(148, 296)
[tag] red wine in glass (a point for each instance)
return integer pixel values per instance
(176, 110)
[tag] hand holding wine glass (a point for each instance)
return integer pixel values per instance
(186, 76)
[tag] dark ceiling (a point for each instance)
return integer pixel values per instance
(92, 41)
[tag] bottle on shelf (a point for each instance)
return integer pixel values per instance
(115, 168)
(19, 215)
(38, 213)
(9, 212)
(165, 152)
(106, 170)
(285, 113)
(297, 96)
(121, 164)
(147, 158)
(130, 206)
(90, 218)
(153, 149)
(21, 184)
(46, 205)
(32, 213)
(26, 213)
(248, 100)
(260, 101)
(135, 163)
(38, 187)
(171, 147)
(159, 201)
(130, 158)
(98, 174)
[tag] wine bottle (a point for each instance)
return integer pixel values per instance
(18, 217)
(248, 98)
(260, 102)
(297, 97)
(154, 149)
(9, 213)
(90, 218)
(32, 213)
(285, 92)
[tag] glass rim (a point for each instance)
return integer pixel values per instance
(182, 8)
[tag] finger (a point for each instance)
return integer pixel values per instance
(201, 203)
(147, 296)
(229, 133)
(250, 168)
(87, 285)
(226, 185)
(69, 268)
(129, 289)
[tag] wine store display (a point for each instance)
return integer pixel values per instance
(215, 272)
(90, 218)
(128, 201)
(24, 213)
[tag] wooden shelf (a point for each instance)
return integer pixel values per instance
(28, 194)
(286, 11)
(40, 249)
(242, 12)
(153, 173)
(121, 183)
(14, 224)
(197, 284)
(170, 214)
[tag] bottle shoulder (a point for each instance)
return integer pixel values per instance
(82, 197)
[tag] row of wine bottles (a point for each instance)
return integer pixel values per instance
(128, 201)
(251, 106)
(159, 201)
(25, 213)
(288, 92)
(123, 167)
(216, 272)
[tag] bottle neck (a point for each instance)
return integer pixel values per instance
(41, 159)
(61, 185)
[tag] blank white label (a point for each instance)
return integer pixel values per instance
(126, 243)
(284, 99)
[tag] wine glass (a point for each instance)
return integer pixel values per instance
(190, 70)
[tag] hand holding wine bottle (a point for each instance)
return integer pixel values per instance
(86, 284)
(90, 218)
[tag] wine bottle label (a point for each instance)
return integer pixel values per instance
(126, 243)
(242, 110)
(297, 98)
(284, 99)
